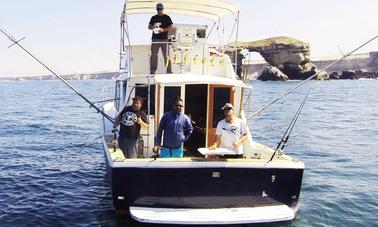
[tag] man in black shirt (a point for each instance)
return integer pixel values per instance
(131, 119)
(160, 24)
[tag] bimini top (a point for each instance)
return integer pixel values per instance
(210, 9)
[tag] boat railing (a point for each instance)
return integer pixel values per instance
(180, 58)
(247, 99)
(108, 94)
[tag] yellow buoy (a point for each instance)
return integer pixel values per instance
(221, 62)
(167, 61)
(212, 60)
(175, 59)
(195, 59)
(186, 58)
(204, 60)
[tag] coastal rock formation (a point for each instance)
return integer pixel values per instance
(366, 62)
(334, 76)
(278, 51)
(373, 57)
(349, 75)
(272, 73)
(353, 75)
(302, 72)
(289, 55)
(357, 74)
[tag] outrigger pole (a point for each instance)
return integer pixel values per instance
(311, 77)
(17, 42)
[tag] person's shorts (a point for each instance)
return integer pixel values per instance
(166, 152)
(129, 147)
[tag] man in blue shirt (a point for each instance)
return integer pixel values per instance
(177, 128)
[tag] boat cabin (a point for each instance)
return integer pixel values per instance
(203, 76)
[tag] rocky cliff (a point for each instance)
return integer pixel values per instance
(281, 50)
(290, 56)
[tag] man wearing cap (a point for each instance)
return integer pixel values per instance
(160, 24)
(231, 132)
(132, 119)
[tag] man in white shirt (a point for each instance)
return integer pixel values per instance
(231, 132)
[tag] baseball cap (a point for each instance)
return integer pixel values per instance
(227, 106)
(159, 6)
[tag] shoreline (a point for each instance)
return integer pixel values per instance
(361, 65)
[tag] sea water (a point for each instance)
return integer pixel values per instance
(52, 170)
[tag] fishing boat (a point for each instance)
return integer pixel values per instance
(262, 186)
(193, 189)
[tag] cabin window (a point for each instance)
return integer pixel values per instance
(142, 91)
(170, 95)
(222, 95)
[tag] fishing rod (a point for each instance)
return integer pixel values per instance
(17, 42)
(102, 134)
(308, 79)
(289, 129)
(114, 139)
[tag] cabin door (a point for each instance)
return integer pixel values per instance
(196, 108)
(171, 93)
(218, 96)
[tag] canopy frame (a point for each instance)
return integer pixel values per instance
(210, 9)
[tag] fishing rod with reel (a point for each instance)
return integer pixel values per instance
(17, 42)
(285, 137)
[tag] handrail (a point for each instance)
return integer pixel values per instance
(197, 57)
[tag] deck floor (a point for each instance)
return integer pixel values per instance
(116, 155)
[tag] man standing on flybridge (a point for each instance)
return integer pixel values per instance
(160, 24)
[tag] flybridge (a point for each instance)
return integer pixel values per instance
(187, 46)
(188, 52)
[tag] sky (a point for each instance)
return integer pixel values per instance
(82, 36)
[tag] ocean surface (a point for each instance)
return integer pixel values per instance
(52, 170)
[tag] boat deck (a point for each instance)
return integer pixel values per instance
(117, 158)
